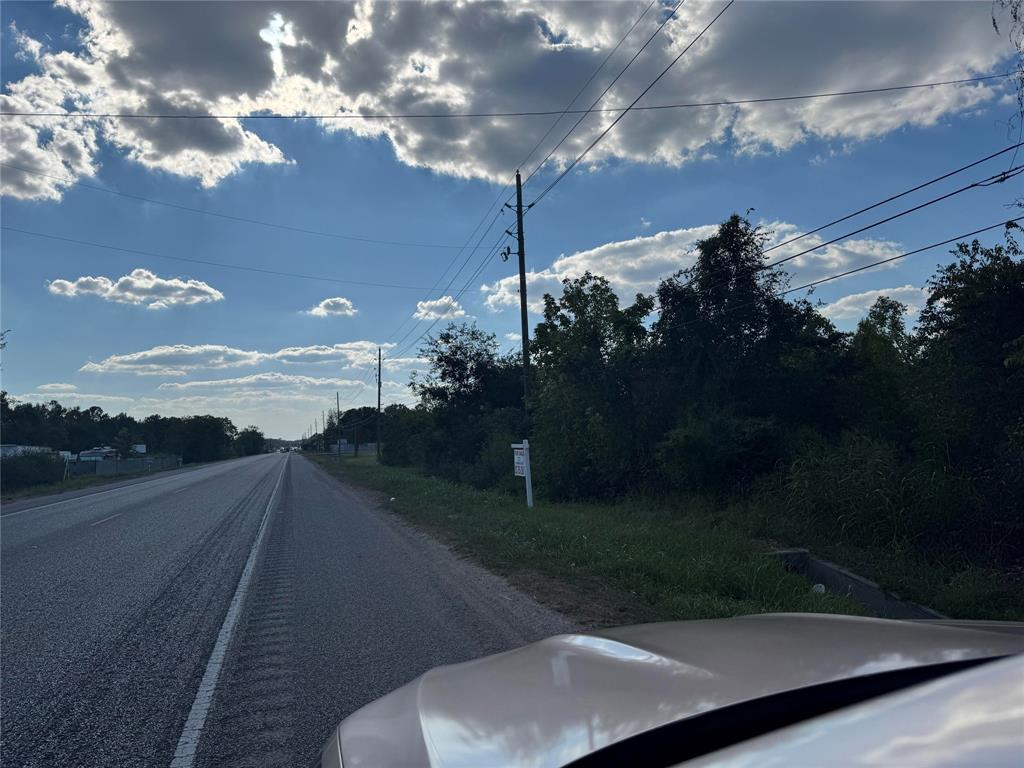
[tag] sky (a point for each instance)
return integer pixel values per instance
(250, 267)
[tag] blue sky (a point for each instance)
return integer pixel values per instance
(183, 337)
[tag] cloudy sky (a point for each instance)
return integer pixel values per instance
(251, 266)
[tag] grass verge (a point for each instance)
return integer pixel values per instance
(950, 585)
(75, 484)
(602, 564)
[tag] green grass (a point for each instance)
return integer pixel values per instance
(600, 563)
(948, 584)
(74, 484)
(71, 484)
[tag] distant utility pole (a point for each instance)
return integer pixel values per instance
(337, 408)
(323, 437)
(525, 323)
(378, 401)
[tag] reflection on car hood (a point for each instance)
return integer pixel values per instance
(549, 703)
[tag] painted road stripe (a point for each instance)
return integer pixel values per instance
(116, 514)
(188, 742)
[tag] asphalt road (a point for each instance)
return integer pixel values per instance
(113, 604)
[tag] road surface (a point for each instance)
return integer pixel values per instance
(226, 616)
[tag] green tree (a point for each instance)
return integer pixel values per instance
(123, 442)
(249, 441)
(590, 372)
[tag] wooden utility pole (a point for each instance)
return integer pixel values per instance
(378, 401)
(337, 408)
(522, 287)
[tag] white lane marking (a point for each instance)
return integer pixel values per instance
(182, 490)
(188, 742)
(189, 473)
(116, 514)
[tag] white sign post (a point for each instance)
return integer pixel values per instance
(521, 464)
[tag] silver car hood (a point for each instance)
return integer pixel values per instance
(549, 703)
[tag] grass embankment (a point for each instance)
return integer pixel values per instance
(71, 484)
(599, 563)
(82, 481)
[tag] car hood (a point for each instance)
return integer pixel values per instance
(551, 702)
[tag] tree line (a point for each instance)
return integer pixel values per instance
(193, 438)
(718, 385)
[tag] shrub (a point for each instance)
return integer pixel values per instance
(710, 449)
(859, 489)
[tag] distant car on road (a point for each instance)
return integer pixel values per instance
(771, 690)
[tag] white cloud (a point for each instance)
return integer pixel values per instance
(29, 48)
(180, 359)
(516, 337)
(81, 399)
(140, 287)
(243, 57)
(335, 305)
(637, 265)
(856, 305)
(176, 360)
(444, 308)
(353, 354)
(57, 387)
(270, 380)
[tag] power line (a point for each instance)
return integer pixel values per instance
(895, 197)
(277, 273)
(561, 114)
(871, 265)
(625, 112)
(880, 262)
(607, 88)
(458, 295)
(997, 178)
(489, 254)
(584, 87)
(522, 113)
(232, 217)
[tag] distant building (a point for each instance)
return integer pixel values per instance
(98, 454)
(139, 448)
(8, 451)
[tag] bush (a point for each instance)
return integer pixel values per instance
(17, 472)
(711, 449)
(860, 490)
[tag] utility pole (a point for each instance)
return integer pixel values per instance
(378, 401)
(323, 437)
(337, 408)
(522, 287)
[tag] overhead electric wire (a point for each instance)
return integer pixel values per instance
(458, 294)
(607, 88)
(584, 87)
(560, 114)
(520, 113)
(221, 264)
(643, 93)
(889, 199)
(232, 217)
(880, 262)
(997, 178)
(871, 265)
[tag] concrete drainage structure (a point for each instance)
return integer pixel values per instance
(840, 581)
